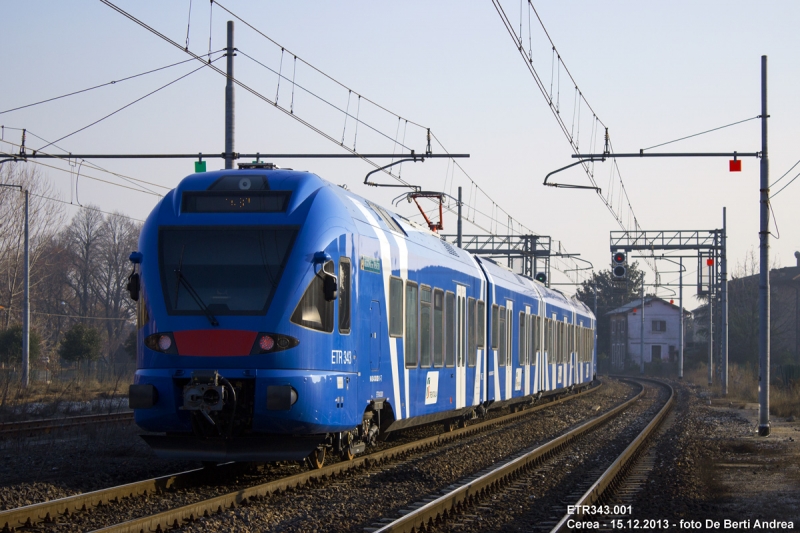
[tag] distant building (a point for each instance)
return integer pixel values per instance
(661, 332)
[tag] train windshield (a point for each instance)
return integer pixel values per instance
(224, 271)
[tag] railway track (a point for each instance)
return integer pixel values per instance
(460, 506)
(61, 510)
(47, 425)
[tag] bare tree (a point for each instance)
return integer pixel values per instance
(119, 237)
(83, 239)
(44, 217)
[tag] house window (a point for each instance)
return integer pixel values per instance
(655, 352)
(659, 325)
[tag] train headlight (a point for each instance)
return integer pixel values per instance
(161, 342)
(164, 343)
(266, 343)
(272, 342)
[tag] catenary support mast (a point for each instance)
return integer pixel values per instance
(763, 283)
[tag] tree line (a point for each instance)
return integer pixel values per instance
(79, 308)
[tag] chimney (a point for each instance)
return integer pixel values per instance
(797, 256)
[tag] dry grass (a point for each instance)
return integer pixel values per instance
(61, 398)
(784, 400)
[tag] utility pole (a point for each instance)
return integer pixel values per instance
(680, 331)
(763, 283)
(458, 236)
(229, 109)
(724, 302)
(641, 339)
(26, 306)
(710, 323)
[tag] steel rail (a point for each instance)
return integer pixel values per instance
(416, 519)
(619, 467)
(48, 424)
(188, 513)
(46, 511)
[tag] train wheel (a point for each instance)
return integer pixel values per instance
(316, 458)
(347, 447)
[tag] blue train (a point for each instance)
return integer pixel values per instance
(281, 317)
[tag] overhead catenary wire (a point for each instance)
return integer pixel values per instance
(323, 100)
(131, 103)
(36, 162)
(67, 158)
(291, 112)
(87, 207)
(784, 175)
(702, 133)
(244, 86)
(113, 82)
(557, 64)
(782, 188)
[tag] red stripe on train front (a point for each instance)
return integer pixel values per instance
(214, 342)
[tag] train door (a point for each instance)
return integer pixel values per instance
(509, 348)
(374, 335)
(525, 349)
(461, 349)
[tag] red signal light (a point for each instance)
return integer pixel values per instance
(619, 257)
(709, 262)
(672, 301)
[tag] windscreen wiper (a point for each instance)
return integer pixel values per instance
(196, 297)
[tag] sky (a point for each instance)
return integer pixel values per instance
(651, 72)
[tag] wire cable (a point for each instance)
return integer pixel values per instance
(130, 104)
(113, 82)
(702, 133)
(334, 106)
(57, 200)
(66, 158)
(86, 176)
(782, 188)
(784, 174)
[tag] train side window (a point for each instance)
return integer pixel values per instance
(425, 327)
(481, 324)
(572, 347)
(438, 327)
(313, 311)
(344, 295)
(523, 336)
(501, 326)
(495, 334)
(472, 355)
(395, 307)
(450, 329)
(548, 340)
(411, 345)
(532, 339)
(537, 332)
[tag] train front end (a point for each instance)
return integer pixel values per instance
(236, 274)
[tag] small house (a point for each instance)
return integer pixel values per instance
(658, 319)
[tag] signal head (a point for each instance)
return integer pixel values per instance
(541, 277)
(618, 258)
(619, 271)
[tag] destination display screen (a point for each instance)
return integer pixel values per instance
(235, 201)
